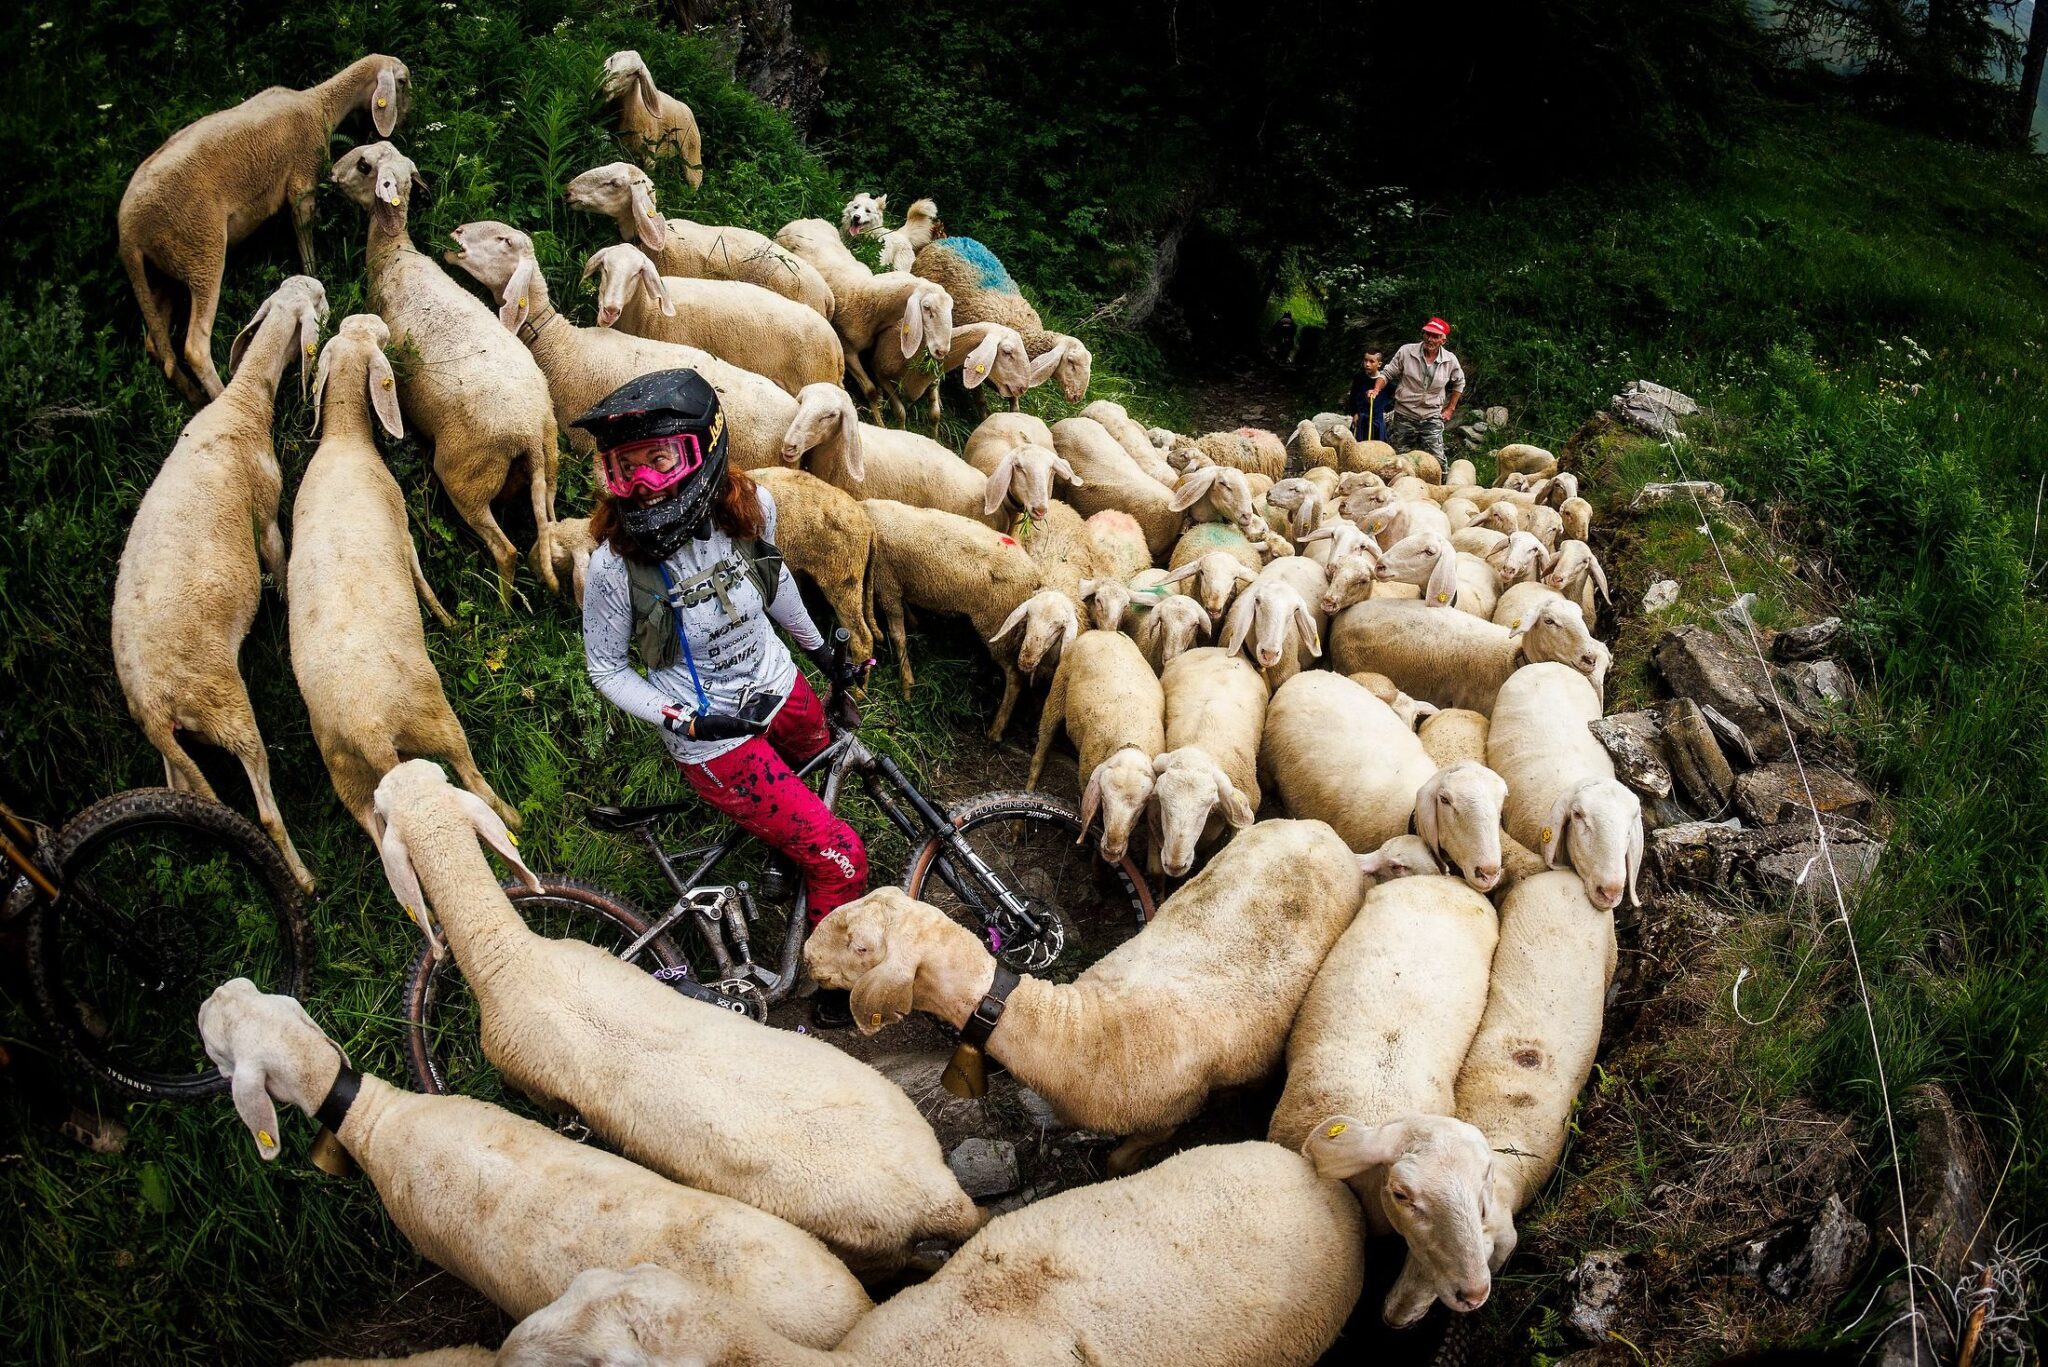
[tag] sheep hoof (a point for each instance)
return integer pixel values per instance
(1125, 1158)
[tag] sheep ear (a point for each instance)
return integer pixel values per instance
(513, 304)
(1091, 800)
(1442, 590)
(1181, 575)
(648, 223)
(320, 385)
(246, 336)
(258, 1112)
(645, 80)
(1635, 861)
(1066, 472)
(1425, 813)
(1237, 809)
(1306, 620)
(1342, 1148)
(1191, 488)
(383, 393)
(910, 332)
(309, 343)
(590, 267)
(1371, 864)
(1237, 623)
(882, 995)
(980, 361)
(1552, 836)
(1010, 623)
(423, 193)
(404, 882)
(1245, 574)
(491, 827)
(1045, 363)
(999, 482)
(384, 102)
(1599, 576)
(849, 438)
(657, 293)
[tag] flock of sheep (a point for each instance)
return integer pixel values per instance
(1426, 938)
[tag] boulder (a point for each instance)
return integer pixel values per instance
(1631, 742)
(985, 1167)
(1778, 861)
(1496, 417)
(1775, 793)
(1704, 776)
(1594, 1291)
(1702, 665)
(1660, 595)
(1696, 852)
(1817, 686)
(1800, 871)
(1706, 491)
(1817, 1255)
(1952, 1167)
(1808, 642)
(1652, 408)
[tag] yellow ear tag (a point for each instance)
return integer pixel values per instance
(1335, 1130)
(263, 1139)
(309, 348)
(875, 1019)
(653, 214)
(381, 101)
(1544, 839)
(387, 382)
(513, 838)
(1443, 598)
(522, 301)
(981, 370)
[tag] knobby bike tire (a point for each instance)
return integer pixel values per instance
(72, 852)
(430, 982)
(1102, 904)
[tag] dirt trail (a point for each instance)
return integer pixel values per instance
(1256, 393)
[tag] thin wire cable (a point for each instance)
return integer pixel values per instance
(1835, 881)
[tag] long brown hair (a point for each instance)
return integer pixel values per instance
(736, 512)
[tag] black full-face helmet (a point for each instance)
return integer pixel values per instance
(661, 443)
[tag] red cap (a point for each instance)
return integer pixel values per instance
(1438, 326)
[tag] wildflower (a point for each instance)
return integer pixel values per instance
(436, 126)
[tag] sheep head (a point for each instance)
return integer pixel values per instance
(388, 97)
(381, 179)
(1575, 519)
(1405, 856)
(1049, 622)
(304, 300)
(1188, 788)
(927, 321)
(1025, 474)
(1426, 559)
(1176, 622)
(1568, 570)
(1598, 826)
(416, 798)
(1557, 632)
(825, 420)
(1432, 1177)
(1119, 789)
(1274, 617)
(1076, 364)
(1519, 557)
(620, 269)
(862, 213)
(269, 1050)
(361, 338)
(1106, 600)
(1000, 359)
(1351, 581)
(1217, 577)
(500, 257)
(883, 947)
(636, 1318)
(1457, 813)
(623, 192)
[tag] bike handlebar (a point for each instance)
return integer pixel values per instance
(839, 707)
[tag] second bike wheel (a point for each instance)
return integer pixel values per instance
(167, 895)
(443, 1025)
(1028, 840)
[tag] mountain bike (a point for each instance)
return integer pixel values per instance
(131, 914)
(1006, 864)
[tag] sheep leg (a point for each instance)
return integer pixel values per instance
(937, 408)
(355, 776)
(472, 500)
(1049, 727)
(237, 734)
(445, 736)
(1123, 1159)
(181, 771)
(542, 464)
(302, 206)
(426, 590)
(845, 599)
(860, 375)
(892, 618)
(157, 304)
(271, 548)
(198, 350)
(1013, 689)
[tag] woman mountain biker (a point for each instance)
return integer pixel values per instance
(686, 575)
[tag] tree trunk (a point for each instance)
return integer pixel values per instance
(2030, 69)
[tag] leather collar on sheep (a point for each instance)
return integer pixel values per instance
(965, 1075)
(340, 1097)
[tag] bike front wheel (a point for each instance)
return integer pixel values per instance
(444, 1027)
(1032, 843)
(166, 896)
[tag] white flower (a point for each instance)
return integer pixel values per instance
(436, 126)
(105, 107)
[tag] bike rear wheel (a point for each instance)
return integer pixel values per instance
(444, 1029)
(167, 895)
(1029, 841)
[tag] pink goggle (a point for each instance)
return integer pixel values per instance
(649, 467)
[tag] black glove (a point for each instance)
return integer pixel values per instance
(842, 672)
(715, 725)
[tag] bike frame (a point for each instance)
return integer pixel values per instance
(722, 906)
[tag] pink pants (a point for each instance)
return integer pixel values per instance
(754, 784)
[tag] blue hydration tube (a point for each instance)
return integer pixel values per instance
(689, 659)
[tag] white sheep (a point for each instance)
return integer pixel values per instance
(742, 324)
(1333, 752)
(944, 563)
(1279, 617)
(1209, 774)
(781, 1121)
(475, 392)
(652, 123)
(623, 193)
(979, 352)
(1562, 793)
(1112, 707)
(1165, 625)
(1014, 453)
(1214, 577)
(1458, 815)
(190, 576)
(1116, 421)
(868, 308)
(511, 1207)
(1454, 734)
(1536, 1042)
(1405, 856)
(1453, 659)
(825, 434)
(1217, 493)
(1372, 1064)
(825, 535)
(1201, 998)
(1115, 481)
(1520, 458)
(983, 292)
(1575, 572)
(1120, 548)
(1220, 1256)
(359, 649)
(215, 181)
(1426, 560)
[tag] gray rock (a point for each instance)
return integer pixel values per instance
(1818, 686)
(1799, 871)
(1935, 1343)
(1660, 595)
(1705, 667)
(1496, 417)
(1696, 852)
(1652, 408)
(1728, 733)
(1815, 1256)
(1709, 494)
(1775, 793)
(1771, 859)
(1631, 741)
(1594, 1291)
(1807, 642)
(1039, 1110)
(1952, 1167)
(1704, 776)
(985, 1167)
